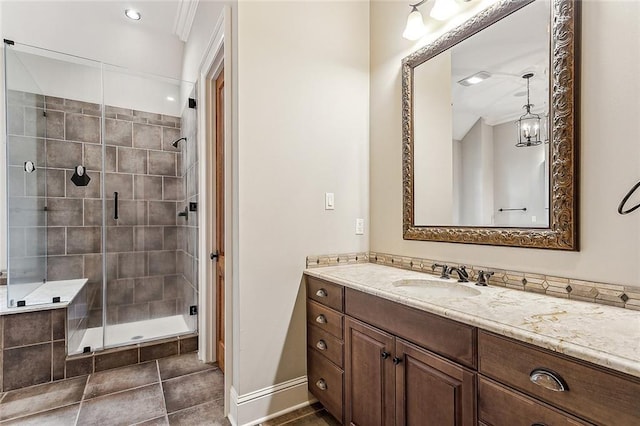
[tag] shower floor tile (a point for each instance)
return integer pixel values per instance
(124, 396)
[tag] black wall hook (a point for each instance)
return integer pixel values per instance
(626, 198)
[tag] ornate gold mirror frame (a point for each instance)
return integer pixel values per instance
(562, 233)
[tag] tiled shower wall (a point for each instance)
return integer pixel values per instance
(146, 171)
(187, 256)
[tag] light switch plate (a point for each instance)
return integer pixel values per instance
(329, 201)
(359, 226)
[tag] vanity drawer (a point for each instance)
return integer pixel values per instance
(324, 292)
(326, 383)
(445, 337)
(500, 406)
(592, 393)
(324, 318)
(325, 344)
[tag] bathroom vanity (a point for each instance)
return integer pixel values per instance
(389, 346)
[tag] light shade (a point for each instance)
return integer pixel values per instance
(415, 28)
(443, 10)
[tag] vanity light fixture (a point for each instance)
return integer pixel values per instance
(528, 124)
(133, 14)
(441, 11)
(415, 28)
(476, 78)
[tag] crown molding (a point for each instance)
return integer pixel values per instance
(185, 15)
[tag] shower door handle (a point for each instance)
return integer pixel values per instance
(115, 205)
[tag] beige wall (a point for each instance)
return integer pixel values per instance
(609, 159)
(432, 126)
(303, 114)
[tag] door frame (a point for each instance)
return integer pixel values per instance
(216, 58)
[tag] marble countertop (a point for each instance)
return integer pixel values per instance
(600, 334)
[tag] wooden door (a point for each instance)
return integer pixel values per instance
(431, 390)
(220, 228)
(369, 375)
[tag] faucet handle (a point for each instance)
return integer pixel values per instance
(445, 269)
(483, 278)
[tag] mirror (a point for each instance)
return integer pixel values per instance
(489, 137)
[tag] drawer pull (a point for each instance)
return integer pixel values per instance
(321, 345)
(321, 319)
(538, 424)
(321, 384)
(385, 355)
(321, 293)
(548, 380)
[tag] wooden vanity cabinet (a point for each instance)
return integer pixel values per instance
(390, 381)
(325, 347)
(589, 392)
(372, 361)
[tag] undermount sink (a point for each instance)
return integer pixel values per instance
(426, 287)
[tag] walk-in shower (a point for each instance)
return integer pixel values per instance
(95, 184)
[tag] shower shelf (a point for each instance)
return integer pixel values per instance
(40, 299)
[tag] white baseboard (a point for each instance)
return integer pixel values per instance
(268, 403)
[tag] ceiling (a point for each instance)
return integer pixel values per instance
(99, 30)
(508, 49)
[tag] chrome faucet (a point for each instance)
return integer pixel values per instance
(483, 278)
(463, 275)
(445, 270)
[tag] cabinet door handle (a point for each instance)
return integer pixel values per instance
(321, 319)
(321, 293)
(385, 355)
(538, 424)
(321, 384)
(548, 379)
(397, 360)
(321, 345)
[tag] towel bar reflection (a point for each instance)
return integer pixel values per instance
(524, 209)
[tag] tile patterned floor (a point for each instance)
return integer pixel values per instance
(179, 390)
(170, 391)
(313, 415)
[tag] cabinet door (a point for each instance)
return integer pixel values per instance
(431, 390)
(369, 375)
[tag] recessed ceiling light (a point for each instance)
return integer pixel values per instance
(133, 14)
(475, 78)
(171, 98)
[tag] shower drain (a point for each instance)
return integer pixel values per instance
(136, 337)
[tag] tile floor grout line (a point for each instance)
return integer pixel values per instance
(197, 405)
(164, 401)
(84, 389)
(190, 374)
(50, 409)
(120, 391)
(39, 412)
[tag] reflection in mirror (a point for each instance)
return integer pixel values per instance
(489, 135)
(473, 104)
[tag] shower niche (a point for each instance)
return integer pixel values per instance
(96, 182)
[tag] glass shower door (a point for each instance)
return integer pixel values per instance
(26, 131)
(144, 209)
